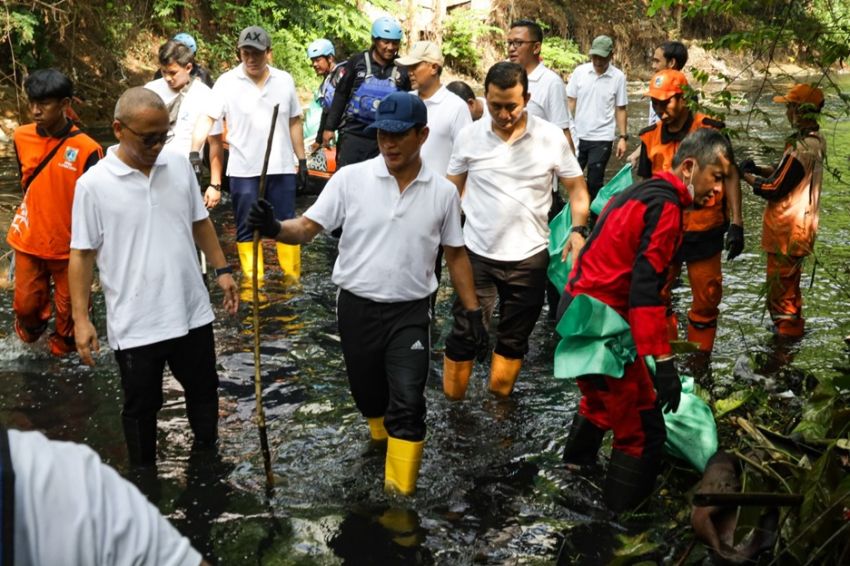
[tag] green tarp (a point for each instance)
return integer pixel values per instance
(618, 183)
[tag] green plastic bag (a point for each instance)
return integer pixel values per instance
(691, 430)
(618, 183)
(559, 231)
(312, 117)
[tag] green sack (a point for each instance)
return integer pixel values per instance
(618, 183)
(691, 430)
(559, 231)
(312, 117)
(595, 340)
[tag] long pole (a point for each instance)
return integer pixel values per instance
(258, 388)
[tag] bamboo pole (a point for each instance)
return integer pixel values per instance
(258, 388)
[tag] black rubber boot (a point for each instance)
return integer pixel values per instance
(140, 435)
(629, 482)
(203, 418)
(583, 443)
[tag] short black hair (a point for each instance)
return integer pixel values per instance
(506, 75)
(534, 29)
(705, 145)
(48, 83)
(676, 51)
(461, 89)
(173, 51)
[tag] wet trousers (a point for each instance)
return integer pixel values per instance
(351, 148)
(386, 347)
(706, 291)
(520, 288)
(32, 299)
(595, 156)
(625, 406)
(784, 298)
(280, 191)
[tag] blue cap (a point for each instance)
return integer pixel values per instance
(398, 112)
(187, 40)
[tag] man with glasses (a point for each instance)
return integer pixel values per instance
(139, 214)
(52, 154)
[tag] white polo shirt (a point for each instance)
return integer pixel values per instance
(198, 101)
(597, 97)
(509, 186)
(548, 98)
(247, 110)
(141, 228)
(389, 240)
(448, 114)
(74, 510)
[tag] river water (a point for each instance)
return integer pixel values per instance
(491, 489)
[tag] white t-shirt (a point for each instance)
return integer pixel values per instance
(548, 98)
(597, 97)
(74, 510)
(509, 186)
(141, 228)
(198, 101)
(448, 114)
(389, 240)
(247, 110)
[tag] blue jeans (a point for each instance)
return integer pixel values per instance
(280, 191)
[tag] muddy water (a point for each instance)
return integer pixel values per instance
(491, 489)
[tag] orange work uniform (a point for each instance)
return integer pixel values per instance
(40, 232)
(790, 227)
(703, 238)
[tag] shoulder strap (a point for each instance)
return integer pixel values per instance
(368, 56)
(7, 502)
(49, 156)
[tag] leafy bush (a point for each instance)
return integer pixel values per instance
(561, 55)
(464, 32)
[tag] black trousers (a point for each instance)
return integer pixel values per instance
(191, 359)
(594, 155)
(351, 148)
(519, 286)
(386, 347)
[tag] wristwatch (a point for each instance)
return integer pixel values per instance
(219, 271)
(583, 230)
(624, 137)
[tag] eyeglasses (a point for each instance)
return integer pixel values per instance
(150, 140)
(516, 42)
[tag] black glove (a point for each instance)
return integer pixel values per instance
(734, 241)
(748, 166)
(479, 334)
(195, 160)
(301, 180)
(668, 386)
(261, 217)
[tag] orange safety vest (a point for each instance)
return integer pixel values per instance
(660, 147)
(42, 222)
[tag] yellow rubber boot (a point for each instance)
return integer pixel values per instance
(456, 377)
(289, 258)
(503, 374)
(402, 467)
(376, 428)
(246, 260)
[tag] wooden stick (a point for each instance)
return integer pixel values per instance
(258, 388)
(755, 499)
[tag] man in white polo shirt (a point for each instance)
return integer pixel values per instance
(394, 211)
(247, 95)
(504, 169)
(596, 93)
(139, 214)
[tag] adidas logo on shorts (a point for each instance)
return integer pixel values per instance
(417, 346)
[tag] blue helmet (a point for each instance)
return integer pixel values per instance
(187, 40)
(319, 48)
(386, 27)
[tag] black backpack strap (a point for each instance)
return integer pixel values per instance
(49, 156)
(7, 502)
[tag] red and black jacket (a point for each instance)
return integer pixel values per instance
(625, 260)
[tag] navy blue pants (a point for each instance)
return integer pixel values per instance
(280, 191)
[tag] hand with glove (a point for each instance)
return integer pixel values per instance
(301, 180)
(749, 166)
(668, 386)
(734, 241)
(479, 333)
(261, 217)
(195, 160)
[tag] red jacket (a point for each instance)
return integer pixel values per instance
(625, 261)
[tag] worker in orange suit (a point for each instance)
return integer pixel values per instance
(792, 191)
(705, 226)
(52, 154)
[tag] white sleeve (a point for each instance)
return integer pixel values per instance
(86, 227)
(294, 105)
(458, 162)
(74, 510)
(462, 119)
(556, 105)
(621, 96)
(568, 166)
(216, 108)
(329, 208)
(451, 232)
(572, 85)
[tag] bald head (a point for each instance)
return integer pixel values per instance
(135, 100)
